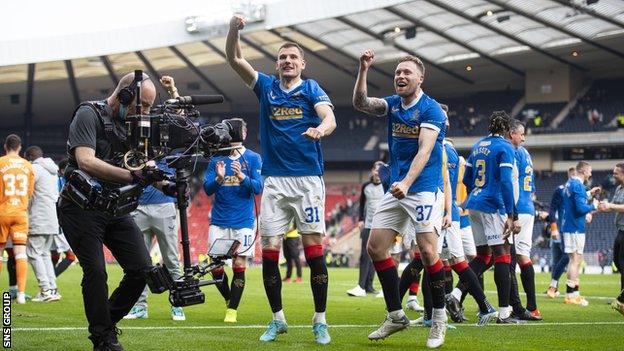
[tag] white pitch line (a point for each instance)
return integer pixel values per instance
(207, 327)
(561, 296)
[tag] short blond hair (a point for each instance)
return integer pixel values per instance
(416, 61)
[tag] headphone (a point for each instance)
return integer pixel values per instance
(127, 94)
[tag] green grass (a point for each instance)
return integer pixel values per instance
(595, 327)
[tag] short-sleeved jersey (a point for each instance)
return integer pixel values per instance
(487, 157)
(526, 181)
(234, 200)
(284, 116)
(404, 124)
(16, 185)
(452, 165)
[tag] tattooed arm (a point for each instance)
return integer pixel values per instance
(372, 106)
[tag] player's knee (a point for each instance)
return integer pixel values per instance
(239, 263)
(271, 242)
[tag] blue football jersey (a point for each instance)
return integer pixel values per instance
(452, 164)
(404, 124)
(575, 206)
(284, 116)
(488, 175)
(526, 182)
(233, 206)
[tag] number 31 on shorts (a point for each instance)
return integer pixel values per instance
(312, 215)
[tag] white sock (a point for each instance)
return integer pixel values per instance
(398, 314)
(279, 316)
(504, 312)
(412, 298)
(457, 294)
(554, 283)
(319, 317)
(439, 315)
(575, 294)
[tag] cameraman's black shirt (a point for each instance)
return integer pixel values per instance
(87, 130)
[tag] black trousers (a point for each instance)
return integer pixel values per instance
(618, 255)
(367, 270)
(86, 232)
(291, 254)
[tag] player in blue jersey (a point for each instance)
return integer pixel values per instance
(453, 253)
(414, 203)
(524, 239)
(559, 259)
(295, 114)
(488, 179)
(234, 180)
(576, 211)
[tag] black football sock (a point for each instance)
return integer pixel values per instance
(272, 279)
(469, 279)
(238, 285)
(527, 275)
(502, 279)
(410, 274)
(318, 276)
(389, 279)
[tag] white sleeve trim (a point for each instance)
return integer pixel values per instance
(506, 165)
(324, 103)
(468, 164)
(430, 126)
(254, 81)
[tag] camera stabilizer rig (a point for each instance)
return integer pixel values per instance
(171, 134)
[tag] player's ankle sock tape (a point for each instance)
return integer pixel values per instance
(239, 269)
(272, 279)
(414, 288)
(389, 279)
(437, 283)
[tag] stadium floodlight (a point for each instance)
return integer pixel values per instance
(218, 24)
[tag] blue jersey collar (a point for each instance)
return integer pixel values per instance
(413, 103)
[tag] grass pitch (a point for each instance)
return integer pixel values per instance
(62, 325)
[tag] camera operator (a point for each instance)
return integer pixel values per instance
(157, 216)
(235, 180)
(96, 135)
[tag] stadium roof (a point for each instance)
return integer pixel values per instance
(467, 45)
